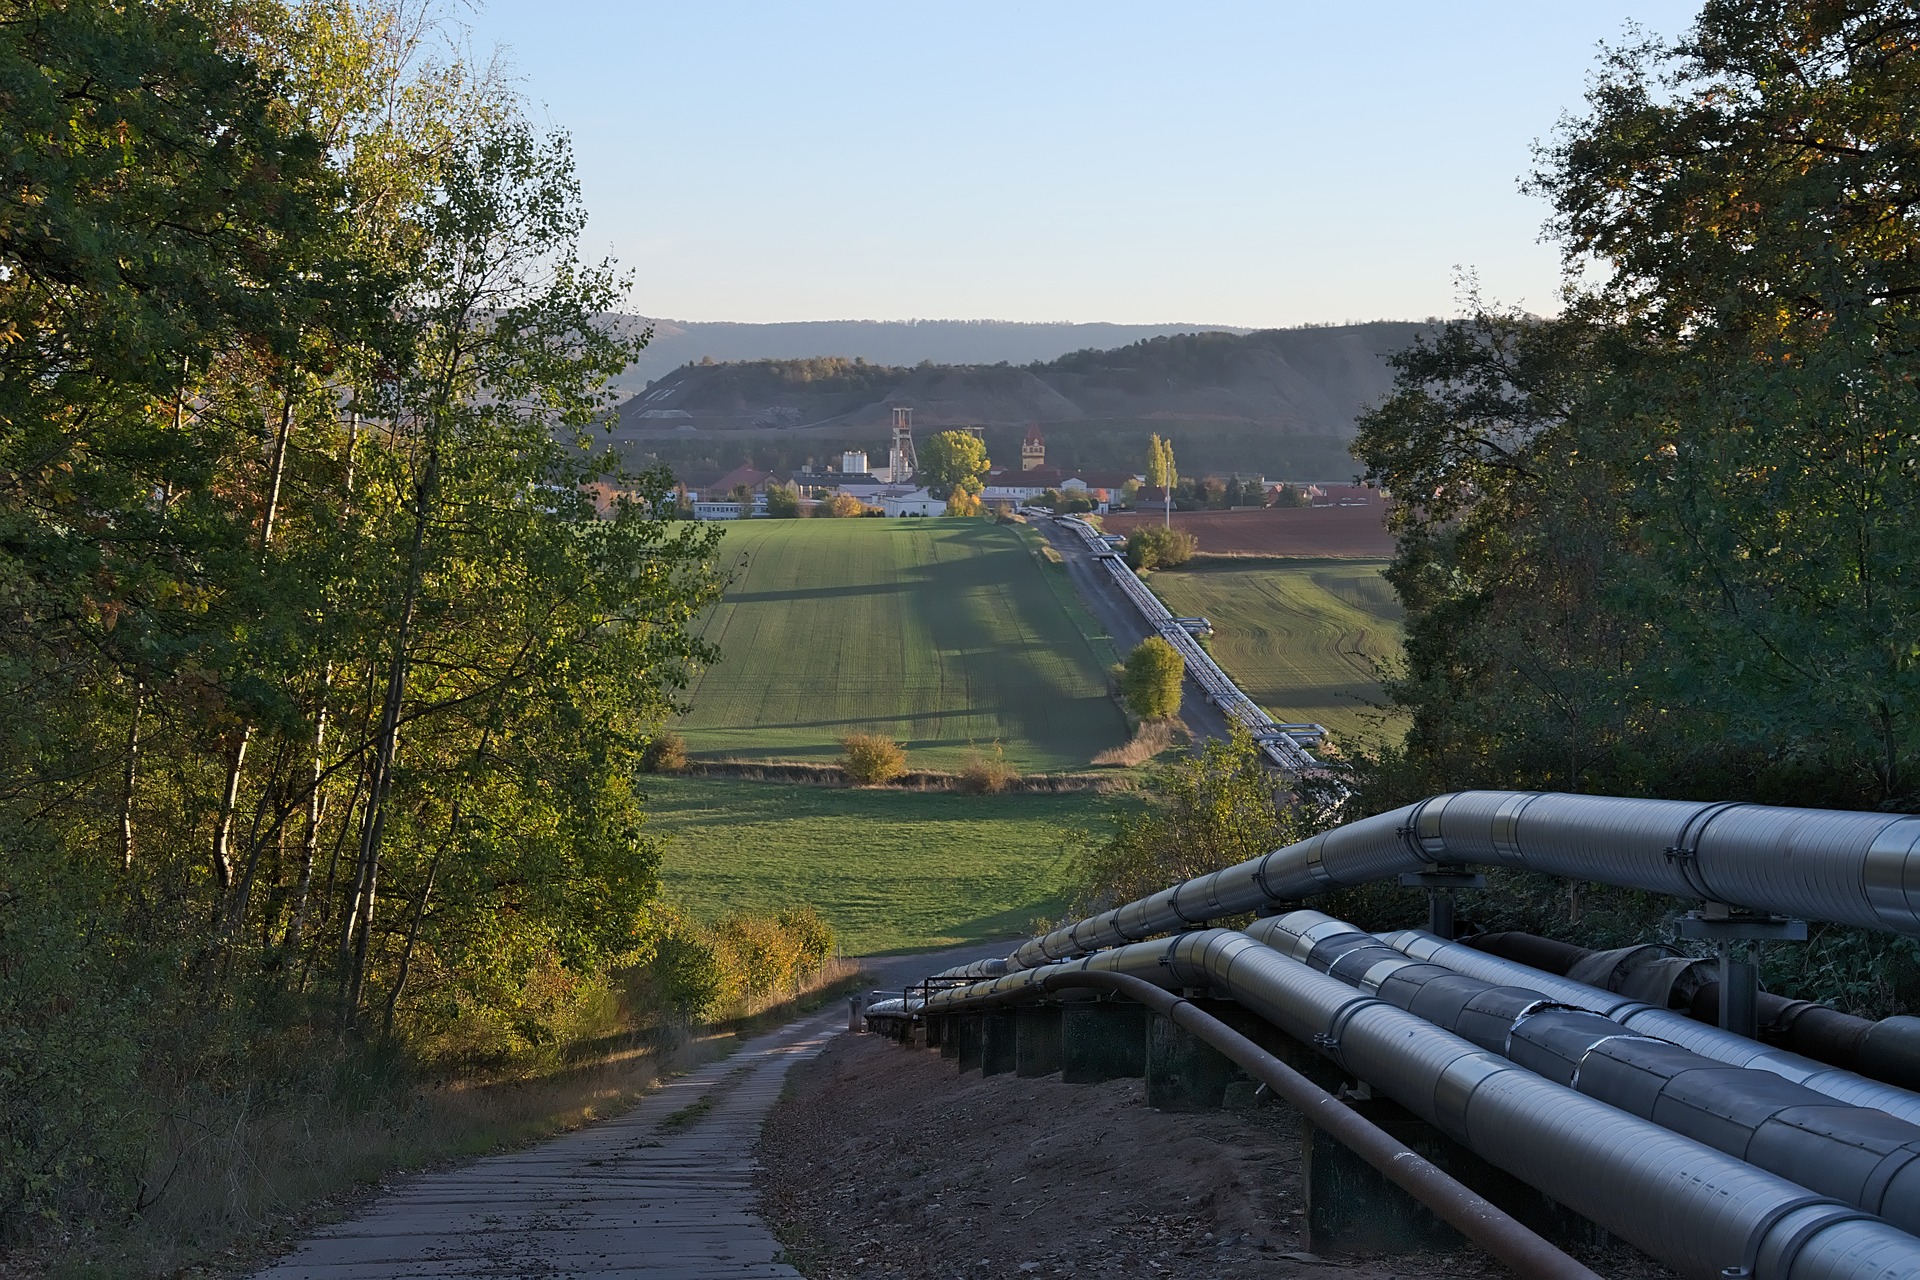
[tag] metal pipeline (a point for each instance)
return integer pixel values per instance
(1696, 1209)
(1886, 1050)
(1471, 1214)
(1848, 867)
(1663, 1024)
(1862, 1156)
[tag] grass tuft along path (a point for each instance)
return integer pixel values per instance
(942, 634)
(890, 870)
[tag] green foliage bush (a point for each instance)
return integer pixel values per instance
(739, 962)
(782, 503)
(870, 758)
(1149, 548)
(1220, 805)
(1151, 679)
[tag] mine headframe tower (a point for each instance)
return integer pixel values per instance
(901, 458)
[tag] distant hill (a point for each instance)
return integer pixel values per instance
(887, 342)
(1277, 401)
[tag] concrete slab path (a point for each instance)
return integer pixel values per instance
(659, 1193)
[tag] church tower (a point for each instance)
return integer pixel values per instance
(1033, 450)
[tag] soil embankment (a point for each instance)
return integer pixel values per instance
(880, 1161)
(1357, 532)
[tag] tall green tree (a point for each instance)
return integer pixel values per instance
(1664, 542)
(326, 688)
(1151, 679)
(954, 460)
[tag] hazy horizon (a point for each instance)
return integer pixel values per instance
(1257, 165)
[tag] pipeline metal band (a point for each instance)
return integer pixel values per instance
(1890, 876)
(1574, 1083)
(1769, 1257)
(1506, 828)
(1685, 851)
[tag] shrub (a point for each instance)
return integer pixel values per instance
(1149, 548)
(665, 753)
(840, 505)
(1219, 806)
(1151, 682)
(738, 964)
(782, 503)
(871, 758)
(984, 775)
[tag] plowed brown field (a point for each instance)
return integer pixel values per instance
(1356, 531)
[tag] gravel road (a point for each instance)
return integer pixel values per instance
(1122, 621)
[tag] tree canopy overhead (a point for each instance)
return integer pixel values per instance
(326, 688)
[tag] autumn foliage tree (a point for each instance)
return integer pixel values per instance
(1150, 679)
(325, 685)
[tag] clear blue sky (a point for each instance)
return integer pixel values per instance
(1234, 163)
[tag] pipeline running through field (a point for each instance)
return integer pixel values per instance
(1715, 1153)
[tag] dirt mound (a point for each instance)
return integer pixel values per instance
(882, 1161)
(1358, 533)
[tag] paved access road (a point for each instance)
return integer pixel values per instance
(660, 1193)
(1112, 610)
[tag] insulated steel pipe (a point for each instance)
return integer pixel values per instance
(1862, 1156)
(1700, 1211)
(1848, 867)
(1663, 1024)
(1469, 1213)
(1887, 1050)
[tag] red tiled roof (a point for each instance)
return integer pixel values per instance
(741, 476)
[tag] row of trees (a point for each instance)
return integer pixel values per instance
(324, 688)
(1665, 542)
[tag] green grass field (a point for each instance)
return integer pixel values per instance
(1299, 636)
(942, 634)
(891, 870)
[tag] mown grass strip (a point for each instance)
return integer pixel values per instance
(889, 870)
(1300, 636)
(945, 635)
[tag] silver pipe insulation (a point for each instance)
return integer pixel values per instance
(1887, 1049)
(1475, 1217)
(1696, 1209)
(1857, 1154)
(1847, 867)
(1663, 1024)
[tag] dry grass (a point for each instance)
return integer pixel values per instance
(235, 1177)
(1148, 741)
(985, 775)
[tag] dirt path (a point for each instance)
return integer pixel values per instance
(882, 1161)
(662, 1192)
